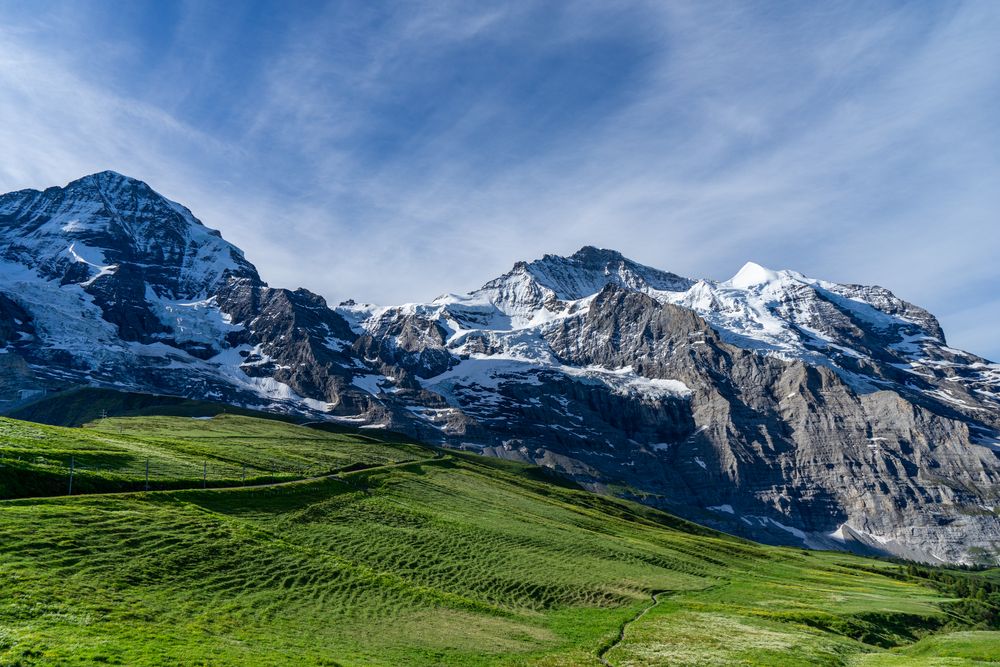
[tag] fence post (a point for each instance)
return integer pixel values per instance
(72, 466)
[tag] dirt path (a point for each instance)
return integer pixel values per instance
(342, 476)
(654, 600)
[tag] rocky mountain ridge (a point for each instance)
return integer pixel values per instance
(771, 405)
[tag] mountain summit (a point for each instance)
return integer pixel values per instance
(772, 405)
(113, 220)
(589, 269)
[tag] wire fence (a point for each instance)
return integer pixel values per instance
(19, 473)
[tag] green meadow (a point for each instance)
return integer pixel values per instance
(180, 452)
(358, 548)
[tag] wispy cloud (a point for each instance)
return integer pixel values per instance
(390, 154)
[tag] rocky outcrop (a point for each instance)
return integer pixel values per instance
(406, 346)
(293, 338)
(15, 323)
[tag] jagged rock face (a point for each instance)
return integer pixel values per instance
(624, 326)
(15, 324)
(125, 223)
(118, 240)
(791, 441)
(118, 285)
(544, 283)
(586, 272)
(407, 345)
(771, 405)
(293, 338)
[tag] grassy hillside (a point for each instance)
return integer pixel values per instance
(181, 452)
(430, 559)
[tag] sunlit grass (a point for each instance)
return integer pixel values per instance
(113, 454)
(443, 559)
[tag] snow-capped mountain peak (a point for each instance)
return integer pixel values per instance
(752, 275)
(107, 219)
(109, 267)
(548, 283)
(588, 270)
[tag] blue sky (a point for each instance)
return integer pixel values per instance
(390, 152)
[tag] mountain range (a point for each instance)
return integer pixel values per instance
(773, 406)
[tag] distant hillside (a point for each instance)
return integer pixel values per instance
(77, 406)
